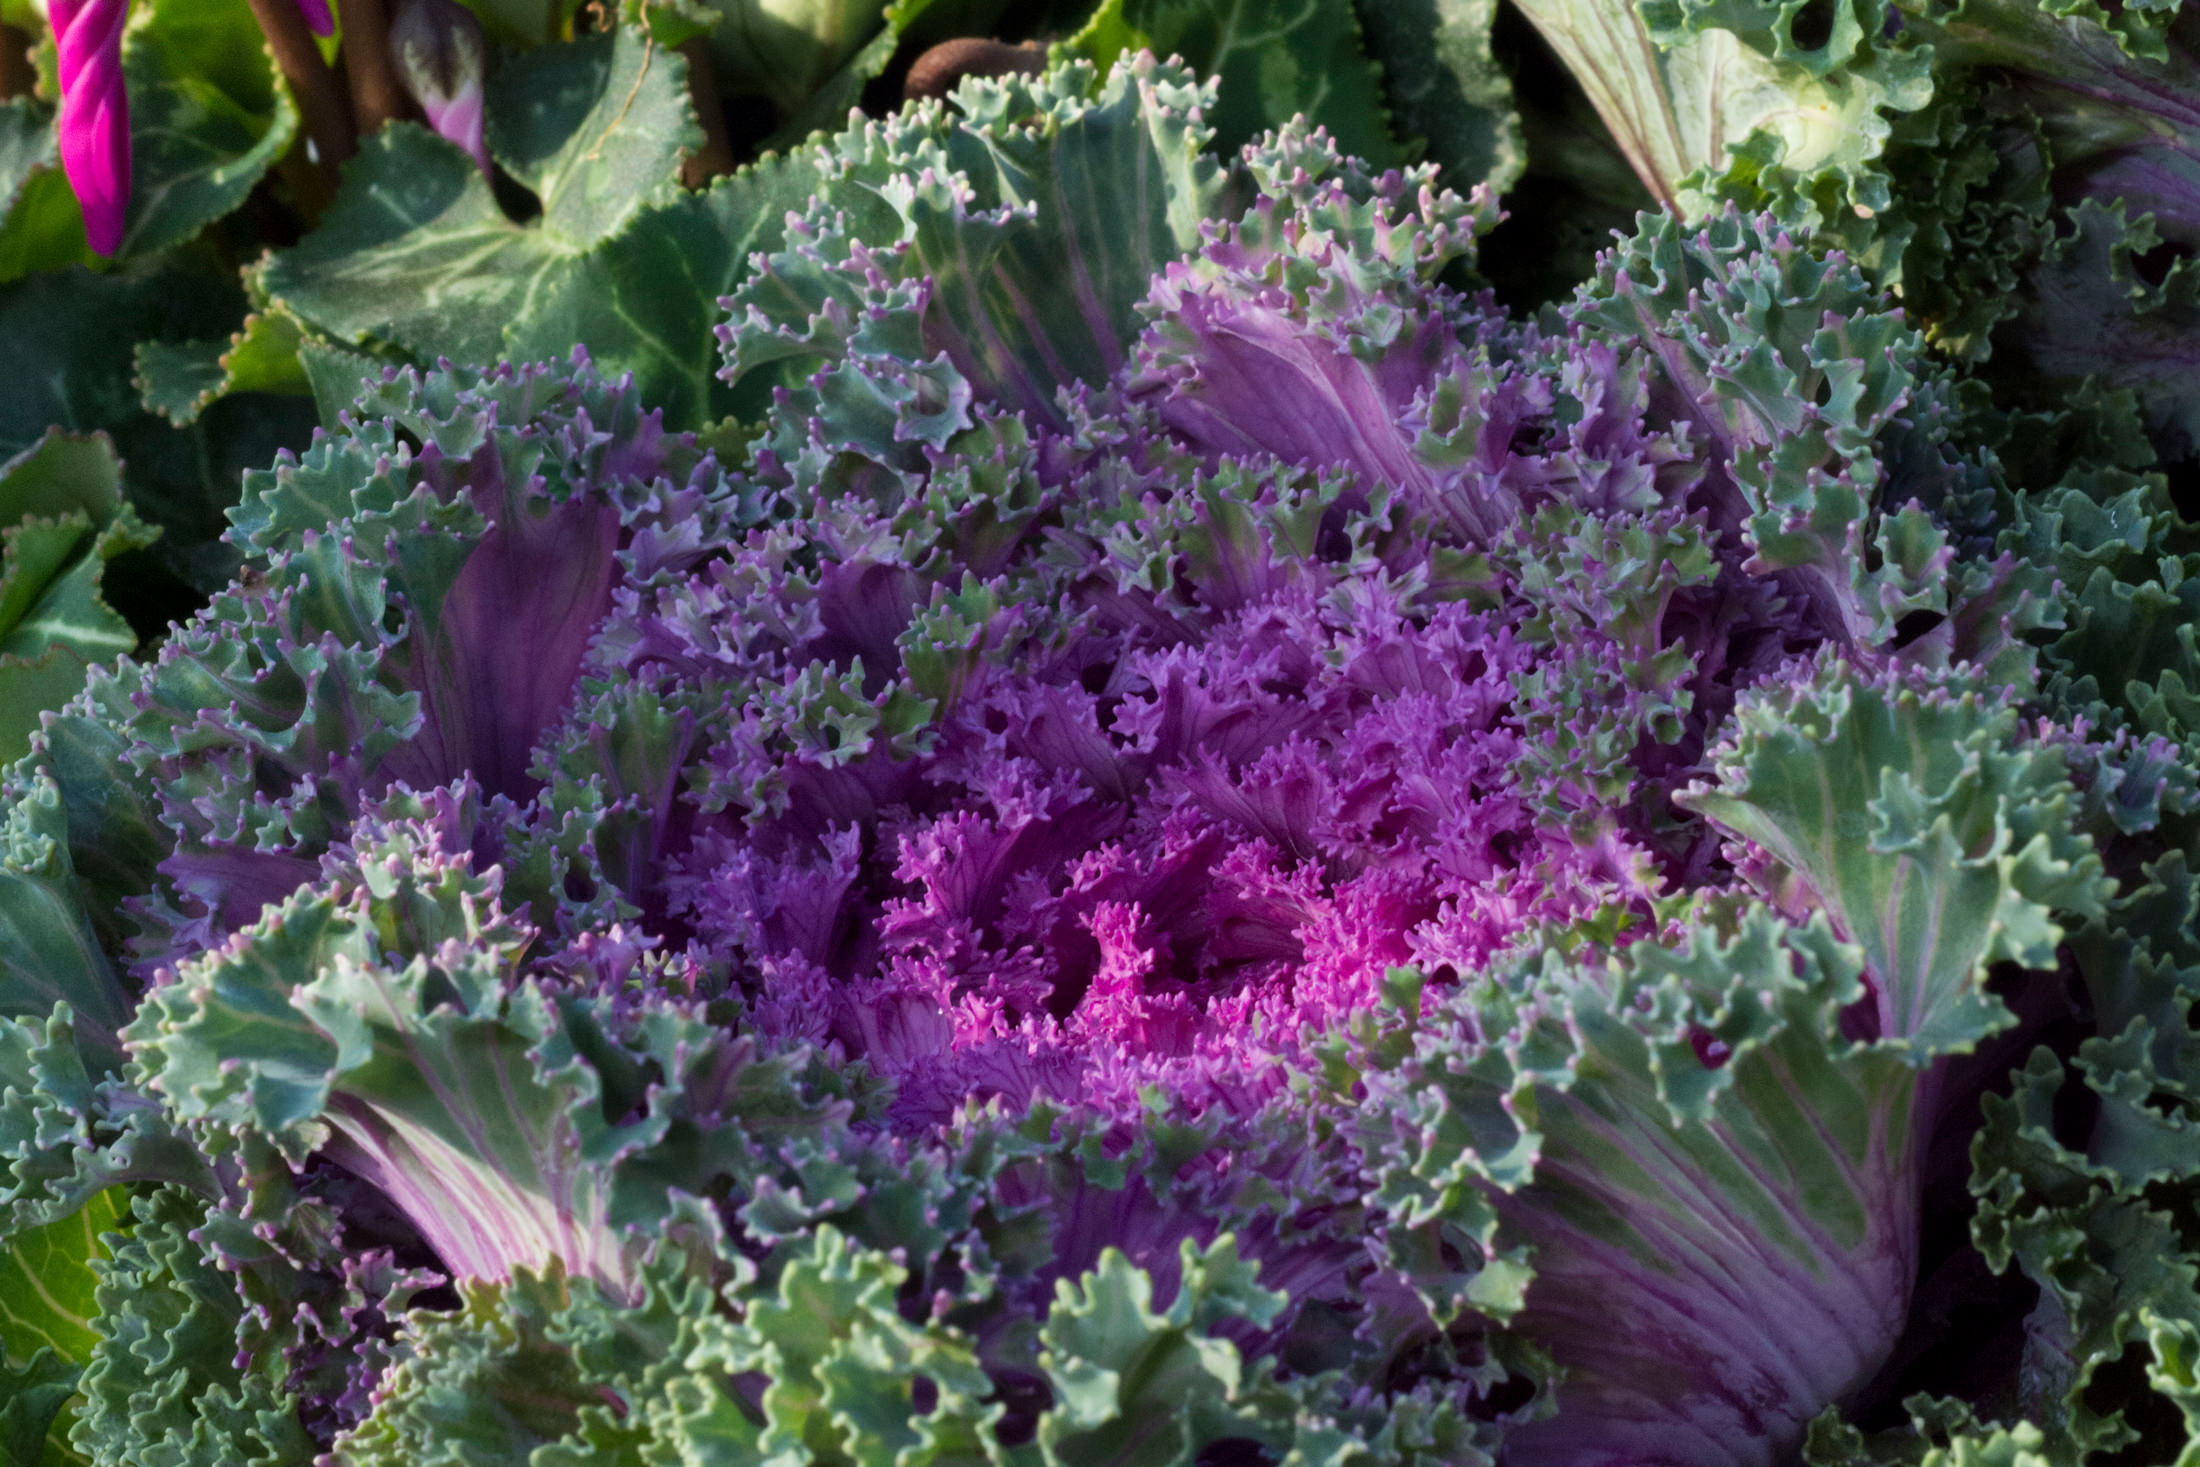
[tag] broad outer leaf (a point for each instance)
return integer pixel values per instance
(417, 254)
(646, 300)
(595, 128)
(71, 341)
(41, 227)
(1445, 86)
(62, 516)
(1274, 59)
(46, 1283)
(207, 118)
(34, 1414)
(47, 1304)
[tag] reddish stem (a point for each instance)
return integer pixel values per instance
(376, 95)
(17, 75)
(716, 155)
(322, 103)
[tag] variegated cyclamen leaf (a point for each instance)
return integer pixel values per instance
(416, 253)
(48, 1314)
(1272, 60)
(209, 116)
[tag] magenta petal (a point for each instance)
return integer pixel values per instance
(317, 16)
(437, 49)
(95, 114)
(461, 120)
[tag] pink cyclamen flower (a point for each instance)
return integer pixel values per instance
(317, 16)
(95, 113)
(438, 52)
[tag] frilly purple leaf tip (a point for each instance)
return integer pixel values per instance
(1236, 756)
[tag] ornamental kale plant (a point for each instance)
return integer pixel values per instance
(218, 218)
(1204, 847)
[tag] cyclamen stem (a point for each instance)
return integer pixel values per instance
(95, 113)
(377, 96)
(16, 75)
(322, 103)
(716, 157)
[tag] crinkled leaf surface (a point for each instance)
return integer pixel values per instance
(950, 234)
(167, 1382)
(2090, 314)
(1931, 835)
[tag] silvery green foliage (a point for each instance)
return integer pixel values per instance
(1210, 847)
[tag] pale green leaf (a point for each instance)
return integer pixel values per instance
(207, 118)
(596, 128)
(180, 380)
(46, 1283)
